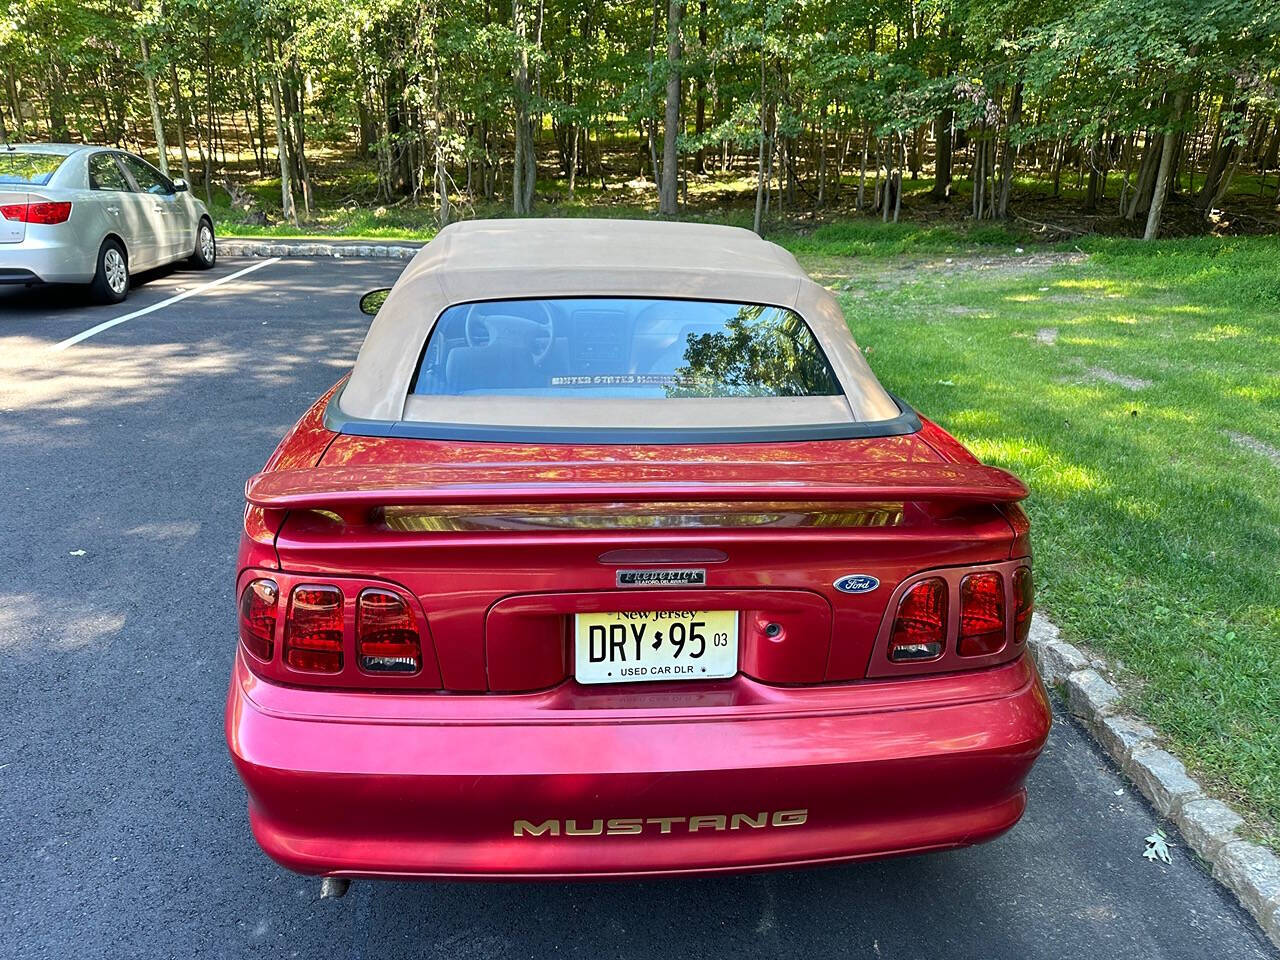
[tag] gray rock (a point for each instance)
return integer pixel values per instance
(1121, 735)
(1089, 696)
(1043, 630)
(1057, 660)
(1162, 778)
(1208, 825)
(1271, 924)
(1252, 873)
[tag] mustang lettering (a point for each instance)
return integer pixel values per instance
(630, 827)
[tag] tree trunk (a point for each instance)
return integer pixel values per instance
(942, 162)
(195, 129)
(282, 154)
(700, 110)
(1059, 151)
(157, 124)
(1140, 202)
(862, 171)
(299, 135)
(18, 120)
(760, 172)
(668, 193)
(1166, 164)
(1007, 161)
(1270, 158)
(1224, 154)
(57, 116)
(262, 124)
(897, 184)
(821, 135)
(178, 110)
(522, 130)
(573, 159)
(534, 124)
(1097, 174)
(979, 176)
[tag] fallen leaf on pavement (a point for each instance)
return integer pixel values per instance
(1157, 848)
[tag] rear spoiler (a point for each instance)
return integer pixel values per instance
(352, 491)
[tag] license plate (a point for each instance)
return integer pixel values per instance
(659, 645)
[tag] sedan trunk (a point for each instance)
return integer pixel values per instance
(504, 554)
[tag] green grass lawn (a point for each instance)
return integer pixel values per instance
(1138, 394)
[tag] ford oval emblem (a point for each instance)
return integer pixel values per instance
(856, 583)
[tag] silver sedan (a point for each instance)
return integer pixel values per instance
(94, 215)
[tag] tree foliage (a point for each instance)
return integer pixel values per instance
(478, 99)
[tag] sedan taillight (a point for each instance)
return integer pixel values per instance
(44, 212)
(313, 629)
(339, 632)
(258, 617)
(386, 634)
(1024, 597)
(920, 628)
(956, 618)
(982, 626)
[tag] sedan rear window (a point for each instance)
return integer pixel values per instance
(622, 348)
(28, 167)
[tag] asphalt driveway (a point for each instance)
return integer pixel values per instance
(122, 824)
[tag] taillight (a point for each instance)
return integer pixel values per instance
(982, 626)
(313, 629)
(386, 634)
(1024, 597)
(920, 628)
(258, 617)
(46, 212)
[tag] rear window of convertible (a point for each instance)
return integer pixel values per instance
(28, 168)
(622, 348)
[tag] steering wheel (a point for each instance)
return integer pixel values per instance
(478, 333)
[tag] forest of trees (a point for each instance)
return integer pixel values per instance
(817, 100)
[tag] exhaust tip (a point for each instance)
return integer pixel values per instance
(332, 888)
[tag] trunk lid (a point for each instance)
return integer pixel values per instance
(503, 545)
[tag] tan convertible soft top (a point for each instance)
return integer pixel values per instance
(508, 259)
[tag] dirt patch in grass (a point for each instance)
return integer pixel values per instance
(1256, 445)
(847, 274)
(1118, 379)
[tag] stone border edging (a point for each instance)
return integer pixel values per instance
(248, 247)
(1249, 870)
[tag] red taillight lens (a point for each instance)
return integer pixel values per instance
(1024, 596)
(920, 628)
(981, 614)
(386, 634)
(313, 629)
(258, 617)
(47, 212)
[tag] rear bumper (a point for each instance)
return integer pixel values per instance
(38, 259)
(624, 782)
(11, 275)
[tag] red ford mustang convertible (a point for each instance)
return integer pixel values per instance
(612, 557)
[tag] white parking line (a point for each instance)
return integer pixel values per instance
(107, 325)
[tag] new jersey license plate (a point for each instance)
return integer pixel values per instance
(655, 645)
